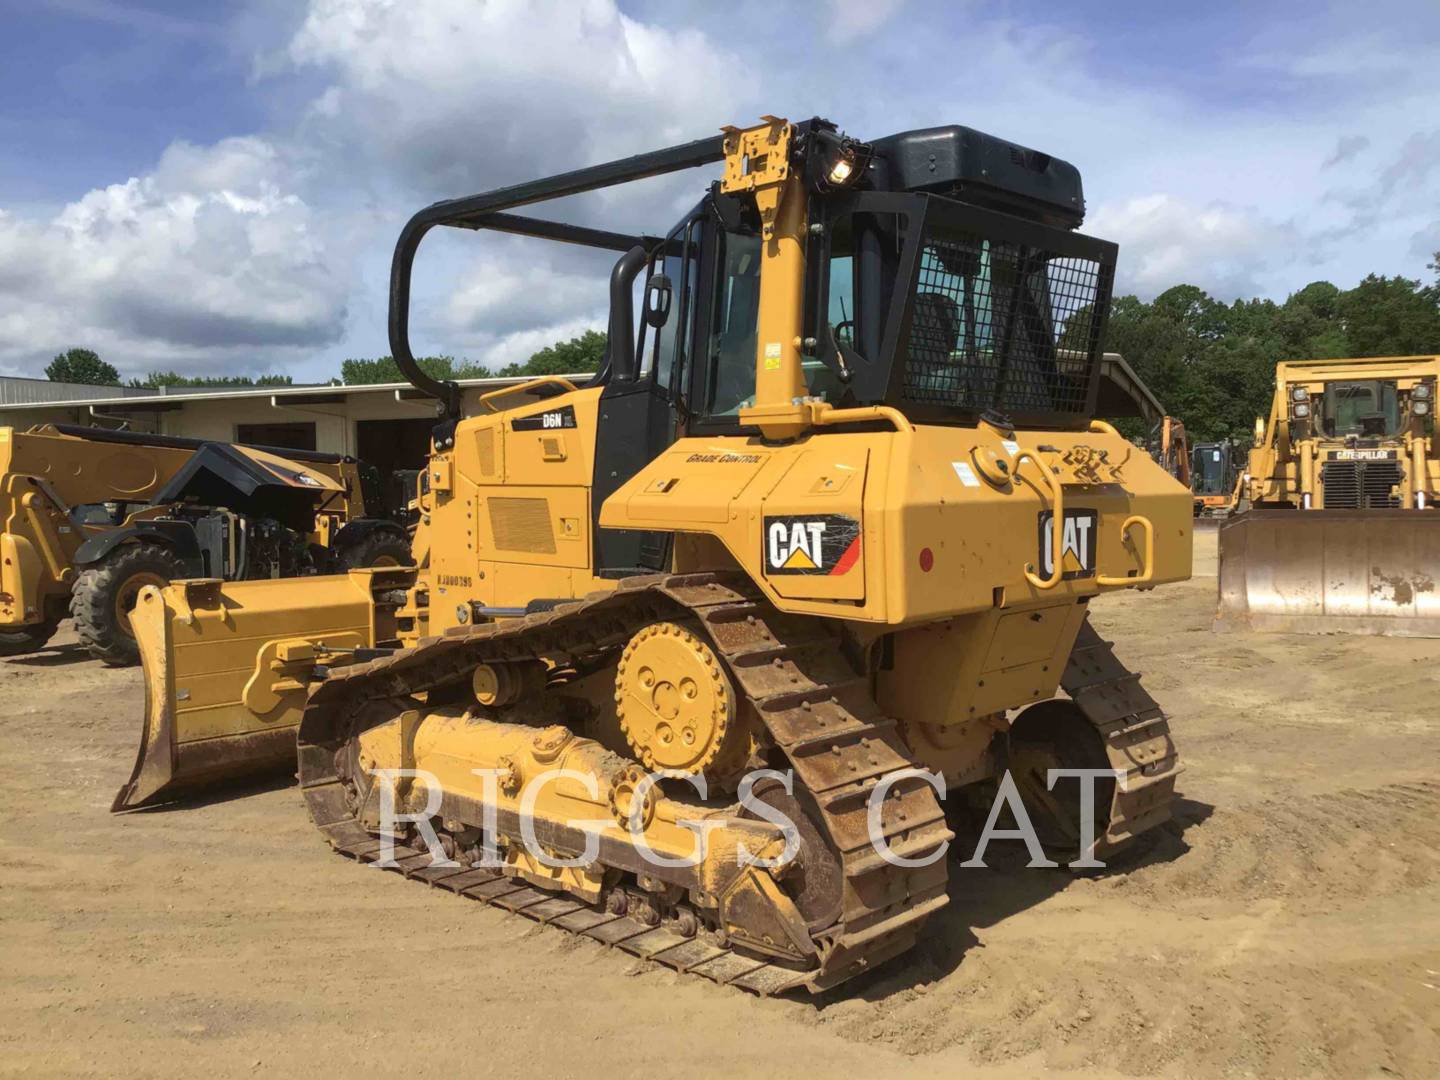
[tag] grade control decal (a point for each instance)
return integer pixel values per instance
(815, 544)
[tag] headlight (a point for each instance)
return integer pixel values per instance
(1299, 394)
(1302, 411)
(1421, 392)
(1420, 408)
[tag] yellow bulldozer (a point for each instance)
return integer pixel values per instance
(89, 516)
(1342, 533)
(695, 649)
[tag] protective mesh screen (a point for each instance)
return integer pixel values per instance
(1000, 325)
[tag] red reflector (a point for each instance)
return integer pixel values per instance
(927, 559)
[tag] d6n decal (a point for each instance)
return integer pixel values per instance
(811, 544)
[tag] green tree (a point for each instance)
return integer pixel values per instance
(383, 369)
(576, 356)
(156, 379)
(82, 366)
(1391, 317)
(583, 353)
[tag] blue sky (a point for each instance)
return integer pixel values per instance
(216, 188)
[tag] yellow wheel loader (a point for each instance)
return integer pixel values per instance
(89, 516)
(1342, 534)
(699, 652)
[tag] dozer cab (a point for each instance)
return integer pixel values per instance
(1342, 534)
(817, 543)
(91, 515)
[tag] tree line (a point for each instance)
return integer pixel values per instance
(579, 354)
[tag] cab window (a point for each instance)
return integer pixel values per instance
(733, 327)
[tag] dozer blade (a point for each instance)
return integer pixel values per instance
(1331, 571)
(227, 669)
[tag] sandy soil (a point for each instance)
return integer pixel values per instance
(1289, 924)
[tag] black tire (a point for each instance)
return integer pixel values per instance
(379, 548)
(105, 592)
(27, 639)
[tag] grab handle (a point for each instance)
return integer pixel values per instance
(1057, 525)
(531, 384)
(1147, 569)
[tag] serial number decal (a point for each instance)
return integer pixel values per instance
(811, 544)
(1077, 552)
(1361, 455)
(724, 459)
(461, 581)
(552, 420)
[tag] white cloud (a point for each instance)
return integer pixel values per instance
(1235, 170)
(451, 96)
(851, 19)
(1165, 241)
(208, 260)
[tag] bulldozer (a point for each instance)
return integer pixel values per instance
(89, 516)
(1341, 534)
(695, 649)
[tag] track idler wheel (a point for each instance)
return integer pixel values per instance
(676, 704)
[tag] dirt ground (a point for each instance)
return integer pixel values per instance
(1289, 924)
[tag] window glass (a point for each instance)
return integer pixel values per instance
(681, 265)
(732, 329)
(1361, 408)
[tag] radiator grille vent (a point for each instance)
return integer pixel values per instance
(485, 451)
(1361, 485)
(522, 525)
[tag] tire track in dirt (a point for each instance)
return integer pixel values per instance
(1339, 846)
(1255, 941)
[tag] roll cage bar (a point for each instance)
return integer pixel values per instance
(486, 211)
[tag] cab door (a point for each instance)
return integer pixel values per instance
(638, 419)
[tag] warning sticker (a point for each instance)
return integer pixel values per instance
(811, 544)
(773, 354)
(965, 473)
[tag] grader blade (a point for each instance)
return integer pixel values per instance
(1331, 571)
(227, 669)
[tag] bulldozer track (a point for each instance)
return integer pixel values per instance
(793, 673)
(1136, 733)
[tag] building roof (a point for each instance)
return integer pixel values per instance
(303, 393)
(20, 390)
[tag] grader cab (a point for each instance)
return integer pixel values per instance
(817, 542)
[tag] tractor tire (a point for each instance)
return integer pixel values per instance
(382, 548)
(27, 639)
(104, 595)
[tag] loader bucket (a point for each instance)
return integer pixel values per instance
(1331, 571)
(227, 669)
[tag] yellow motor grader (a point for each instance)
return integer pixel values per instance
(1342, 534)
(89, 516)
(816, 545)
